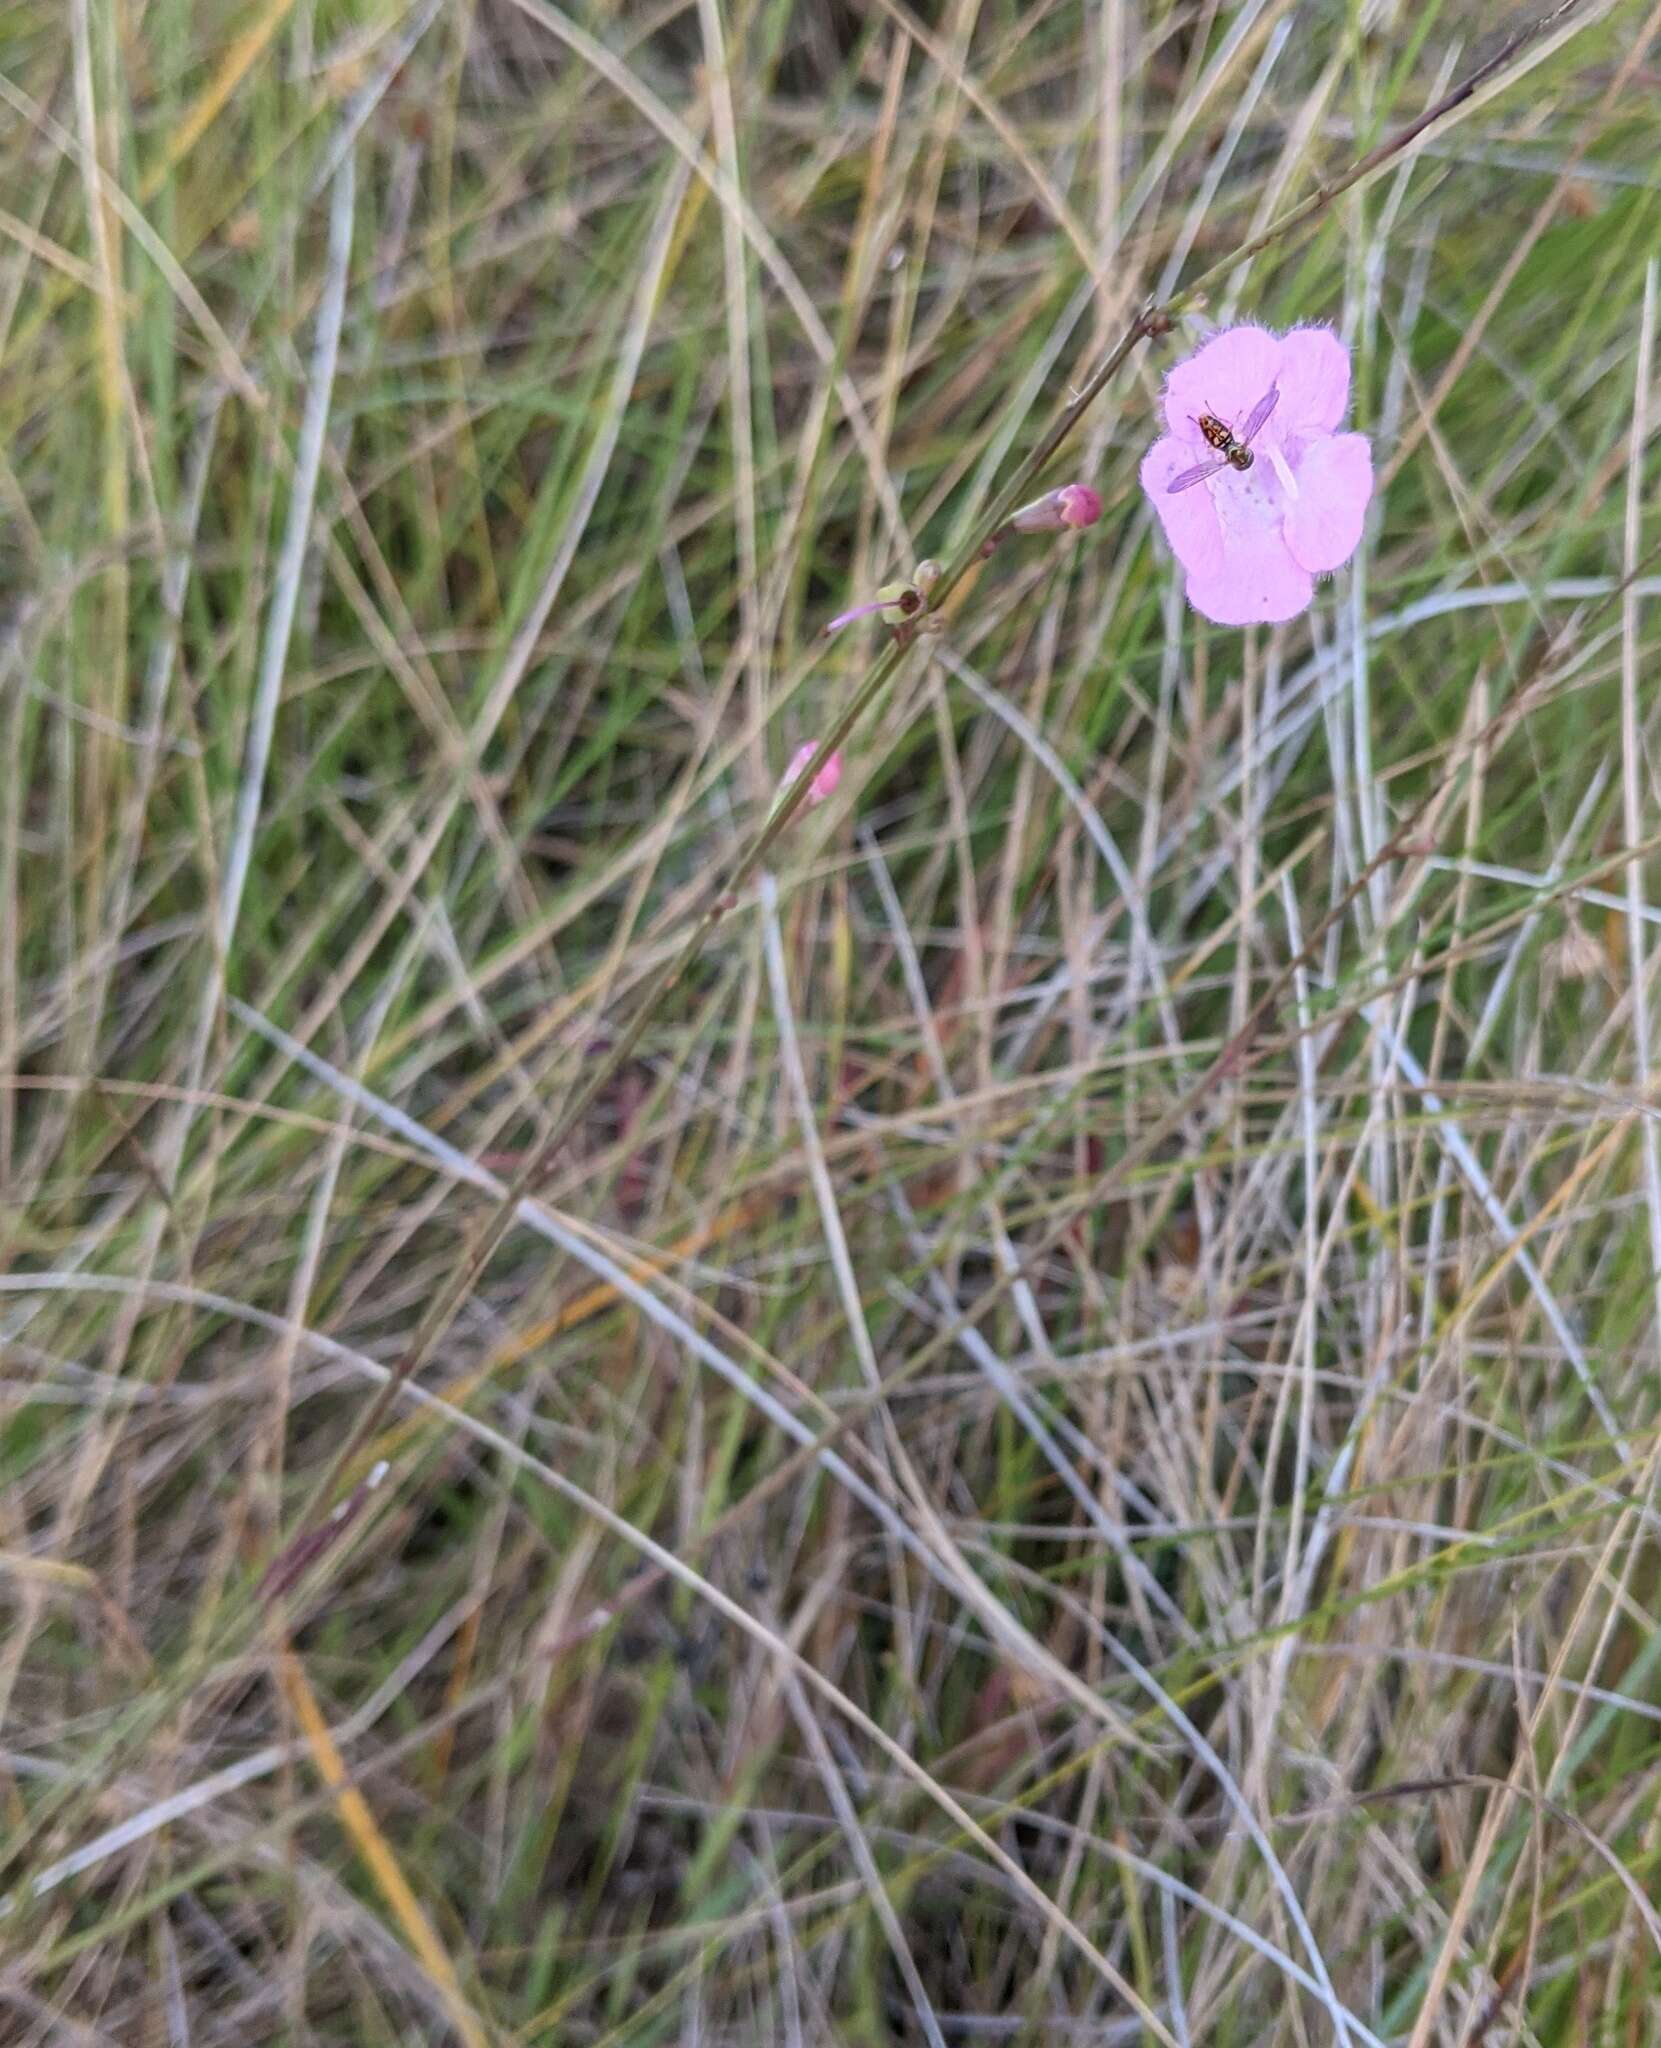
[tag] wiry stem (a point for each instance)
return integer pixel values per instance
(1154, 319)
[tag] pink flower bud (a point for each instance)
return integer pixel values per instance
(1073, 505)
(823, 784)
(1078, 505)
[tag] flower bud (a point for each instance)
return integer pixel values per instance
(823, 784)
(1080, 505)
(1073, 505)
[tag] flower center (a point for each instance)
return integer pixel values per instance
(1256, 500)
(1247, 501)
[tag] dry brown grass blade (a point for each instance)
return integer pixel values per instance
(382, 1865)
(216, 95)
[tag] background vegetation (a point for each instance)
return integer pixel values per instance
(1067, 1451)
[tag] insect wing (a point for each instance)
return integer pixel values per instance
(1260, 412)
(1196, 475)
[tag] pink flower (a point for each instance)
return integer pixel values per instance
(1072, 505)
(1273, 496)
(823, 784)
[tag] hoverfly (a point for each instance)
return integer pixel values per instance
(1233, 452)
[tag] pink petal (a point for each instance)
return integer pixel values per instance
(859, 611)
(1189, 517)
(1258, 583)
(1314, 381)
(1225, 378)
(1335, 481)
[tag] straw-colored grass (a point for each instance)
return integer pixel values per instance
(1021, 1407)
